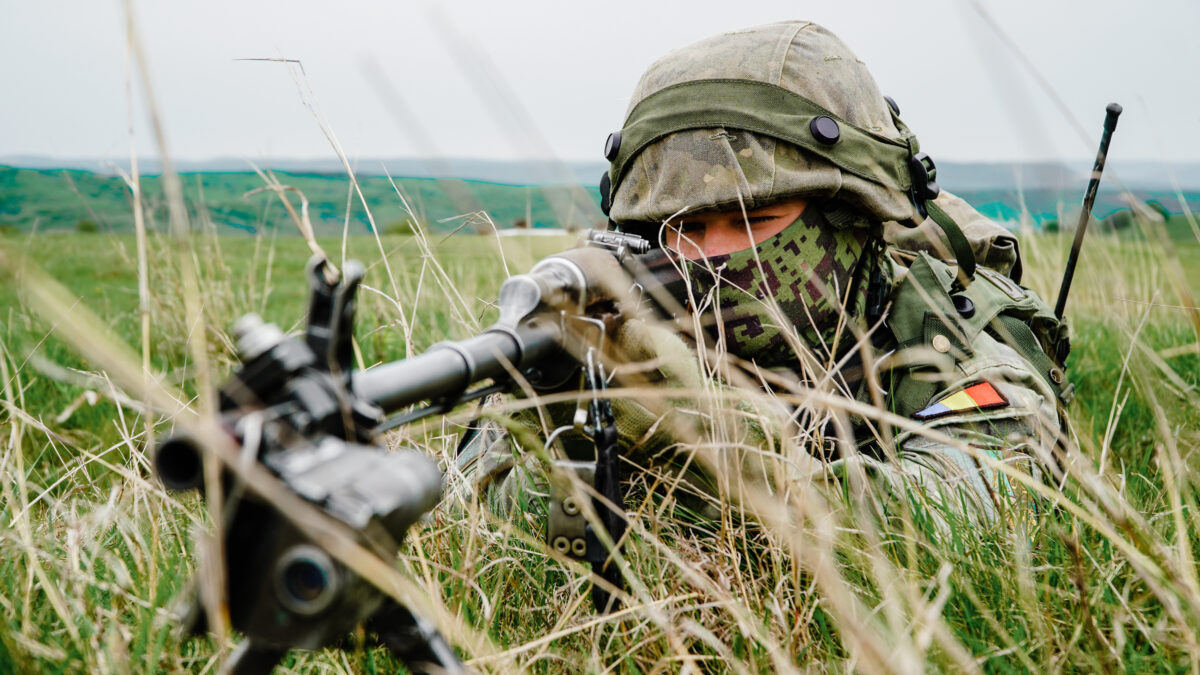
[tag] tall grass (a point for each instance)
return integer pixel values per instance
(781, 575)
(93, 552)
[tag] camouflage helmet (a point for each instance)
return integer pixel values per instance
(757, 116)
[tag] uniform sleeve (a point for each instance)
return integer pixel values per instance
(1018, 425)
(492, 468)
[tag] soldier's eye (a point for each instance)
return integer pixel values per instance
(689, 227)
(755, 222)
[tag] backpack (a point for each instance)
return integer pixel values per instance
(930, 307)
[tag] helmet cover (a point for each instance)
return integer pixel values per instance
(722, 165)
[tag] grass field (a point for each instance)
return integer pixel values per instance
(93, 551)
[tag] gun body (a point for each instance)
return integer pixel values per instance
(302, 412)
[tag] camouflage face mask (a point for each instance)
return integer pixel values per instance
(808, 271)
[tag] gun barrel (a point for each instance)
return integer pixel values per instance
(448, 368)
(179, 462)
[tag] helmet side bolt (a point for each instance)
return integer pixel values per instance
(825, 130)
(612, 146)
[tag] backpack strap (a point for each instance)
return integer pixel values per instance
(963, 252)
(1016, 333)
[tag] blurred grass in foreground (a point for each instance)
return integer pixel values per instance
(92, 550)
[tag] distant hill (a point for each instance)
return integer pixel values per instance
(73, 199)
(530, 172)
(954, 176)
(63, 193)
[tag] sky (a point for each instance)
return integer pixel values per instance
(976, 80)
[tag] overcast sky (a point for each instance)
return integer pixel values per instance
(978, 81)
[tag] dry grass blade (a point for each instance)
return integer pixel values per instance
(407, 122)
(310, 101)
(511, 115)
(193, 306)
(302, 221)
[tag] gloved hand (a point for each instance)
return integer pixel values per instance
(671, 413)
(650, 359)
(666, 384)
(647, 356)
(670, 399)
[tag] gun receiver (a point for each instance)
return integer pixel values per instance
(289, 407)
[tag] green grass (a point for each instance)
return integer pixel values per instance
(93, 552)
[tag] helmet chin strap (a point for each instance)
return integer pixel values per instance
(866, 268)
(924, 191)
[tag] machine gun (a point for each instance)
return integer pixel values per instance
(297, 407)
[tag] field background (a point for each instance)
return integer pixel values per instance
(93, 552)
(233, 202)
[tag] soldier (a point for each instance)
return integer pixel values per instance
(817, 254)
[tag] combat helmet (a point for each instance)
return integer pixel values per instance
(761, 115)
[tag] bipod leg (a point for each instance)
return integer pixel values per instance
(608, 502)
(608, 505)
(414, 641)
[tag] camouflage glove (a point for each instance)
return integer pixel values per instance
(648, 358)
(668, 401)
(654, 360)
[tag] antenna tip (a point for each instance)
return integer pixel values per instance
(1110, 120)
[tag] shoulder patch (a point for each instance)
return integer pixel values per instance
(980, 396)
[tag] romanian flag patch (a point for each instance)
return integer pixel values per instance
(982, 396)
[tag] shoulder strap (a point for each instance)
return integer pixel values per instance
(1017, 334)
(958, 242)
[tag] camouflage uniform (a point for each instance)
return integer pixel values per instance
(977, 360)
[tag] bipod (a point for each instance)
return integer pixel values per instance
(608, 501)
